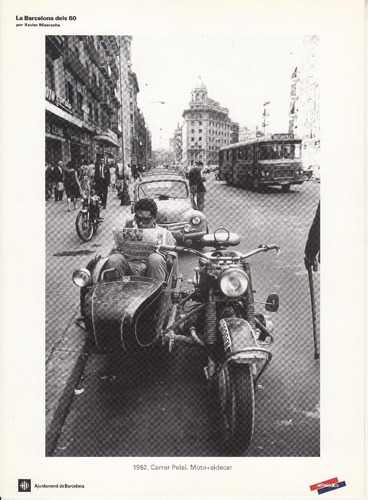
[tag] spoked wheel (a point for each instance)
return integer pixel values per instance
(83, 227)
(237, 404)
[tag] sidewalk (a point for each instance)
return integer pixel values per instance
(65, 343)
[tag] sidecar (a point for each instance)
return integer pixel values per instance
(122, 312)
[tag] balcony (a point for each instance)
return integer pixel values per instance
(104, 66)
(96, 91)
(57, 42)
(75, 65)
(114, 68)
(91, 50)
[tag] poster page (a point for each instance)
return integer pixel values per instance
(266, 99)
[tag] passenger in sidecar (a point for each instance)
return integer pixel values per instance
(124, 297)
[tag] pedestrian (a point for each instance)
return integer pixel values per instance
(91, 171)
(72, 185)
(196, 184)
(102, 181)
(48, 181)
(58, 180)
(312, 247)
(84, 178)
(113, 168)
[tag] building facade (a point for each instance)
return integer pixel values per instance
(304, 114)
(83, 109)
(207, 128)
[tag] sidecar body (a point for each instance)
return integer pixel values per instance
(125, 312)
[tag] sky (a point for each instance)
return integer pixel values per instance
(241, 73)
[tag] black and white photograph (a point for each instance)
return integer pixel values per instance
(182, 252)
(215, 352)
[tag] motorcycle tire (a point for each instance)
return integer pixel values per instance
(237, 407)
(84, 227)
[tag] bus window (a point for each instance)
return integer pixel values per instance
(292, 151)
(276, 151)
(241, 154)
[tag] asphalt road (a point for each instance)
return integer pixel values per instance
(160, 406)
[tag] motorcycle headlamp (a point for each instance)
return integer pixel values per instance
(233, 282)
(196, 220)
(221, 235)
(82, 277)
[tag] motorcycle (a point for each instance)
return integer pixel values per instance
(88, 218)
(217, 315)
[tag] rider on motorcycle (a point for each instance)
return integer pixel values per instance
(156, 265)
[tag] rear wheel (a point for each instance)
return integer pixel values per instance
(84, 227)
(236, 394)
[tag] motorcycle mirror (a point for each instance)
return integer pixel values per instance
(272, 302)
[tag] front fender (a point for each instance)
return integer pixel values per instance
(238, 337)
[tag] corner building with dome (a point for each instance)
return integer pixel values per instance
(207, 128)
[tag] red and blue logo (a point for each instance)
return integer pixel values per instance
(329, 485)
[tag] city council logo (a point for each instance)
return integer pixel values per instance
(24, 485)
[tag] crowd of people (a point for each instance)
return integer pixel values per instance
(71, 181)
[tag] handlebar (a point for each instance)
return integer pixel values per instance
(179, 249)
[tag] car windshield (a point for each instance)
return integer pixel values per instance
(163, 189)
(279, 151)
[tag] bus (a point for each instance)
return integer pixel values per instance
(273, 160)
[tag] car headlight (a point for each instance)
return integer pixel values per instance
(82, 277)
(268, 173)
(196, 220)
(233, 282)
(263, 173)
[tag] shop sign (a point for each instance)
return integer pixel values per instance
(54, 129)
(59, 101)
(78, 137)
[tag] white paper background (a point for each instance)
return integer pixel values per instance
(340, 26)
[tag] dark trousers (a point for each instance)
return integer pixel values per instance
(101, 190)
(58, 195)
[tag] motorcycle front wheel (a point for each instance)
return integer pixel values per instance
(84, 227)
(237, 405)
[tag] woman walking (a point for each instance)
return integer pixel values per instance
(72, 185)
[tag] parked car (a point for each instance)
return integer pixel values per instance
(175, 212)
(312, 172)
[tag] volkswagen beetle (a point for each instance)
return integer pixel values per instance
(170, 190)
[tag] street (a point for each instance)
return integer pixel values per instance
(161, 405)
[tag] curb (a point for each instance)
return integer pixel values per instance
(66, 365)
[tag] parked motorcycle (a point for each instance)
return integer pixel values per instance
(218, 315)
(223, 321)
(88, 218)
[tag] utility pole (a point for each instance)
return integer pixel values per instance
(124, 194)
(265, 116)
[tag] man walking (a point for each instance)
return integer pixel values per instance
(102, 181)
(58, 180)
(197, 188)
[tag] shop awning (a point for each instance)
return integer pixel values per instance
(106, 139)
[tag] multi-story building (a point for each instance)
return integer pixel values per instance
(207, 128)
(304, 102)
(83, 109)
(246, 134)
(176, 144)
